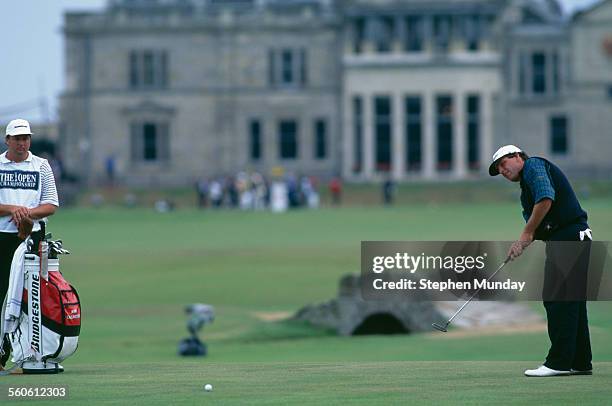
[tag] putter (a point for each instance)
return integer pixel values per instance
(444, 328)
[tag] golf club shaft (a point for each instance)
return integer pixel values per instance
(478, 291)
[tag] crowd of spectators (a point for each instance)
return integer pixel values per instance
(253, 191)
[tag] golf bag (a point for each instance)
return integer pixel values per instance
(50, 321)
(192, 346)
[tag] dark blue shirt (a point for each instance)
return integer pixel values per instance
(536, 178)
(540, 179)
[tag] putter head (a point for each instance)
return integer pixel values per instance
(439, 327)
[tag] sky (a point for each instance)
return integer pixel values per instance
(31, 54)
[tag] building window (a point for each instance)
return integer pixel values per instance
(558, 134)
(320, 135)
(444, 119)
(472, 32)
(473, 131)
(149, 142)
(538, 69)
(288, 139)
(382, 132)
(442, 26)
(255, 140)
(530, 17)
(359, 35)
(539, 73)
(413, 133)
(415, 33)
(383, 29)
(609, 92)
(288, 67)
(357, 134)
(148, 69)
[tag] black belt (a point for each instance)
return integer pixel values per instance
(548, 228)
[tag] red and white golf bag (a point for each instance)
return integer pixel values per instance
(50, 321)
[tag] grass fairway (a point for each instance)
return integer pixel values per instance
(329, 383)
(135, 270)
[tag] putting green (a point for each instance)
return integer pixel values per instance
(136, 269)
(328, 383)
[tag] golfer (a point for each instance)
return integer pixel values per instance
(552, 213)
(27, 189)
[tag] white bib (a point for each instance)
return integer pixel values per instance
(20, 184)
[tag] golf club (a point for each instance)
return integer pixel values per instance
(445, 326)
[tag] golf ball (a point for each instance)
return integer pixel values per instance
(208, 387)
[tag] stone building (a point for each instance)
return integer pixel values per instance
(172, 90)
(175, 90)
(558, 94)
(587, 144)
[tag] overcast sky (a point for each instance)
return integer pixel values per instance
(32, 54)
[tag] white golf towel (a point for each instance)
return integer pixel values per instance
(15, 291)
(586, 233)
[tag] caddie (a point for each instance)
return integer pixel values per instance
(552, 213)
(27, 191)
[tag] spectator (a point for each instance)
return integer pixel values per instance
(110, 169)
(216, 193)
(335, 189)
(388, 191)
(202, 191)
(232, 191)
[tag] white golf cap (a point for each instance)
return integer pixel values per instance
(18, 127)
(499, 154)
